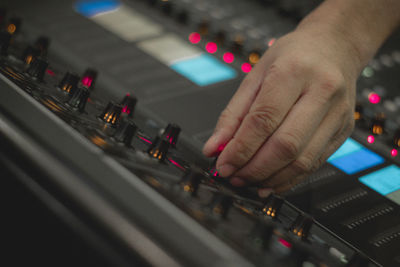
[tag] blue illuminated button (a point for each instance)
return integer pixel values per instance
(204, 70)
(349, 146)
(384, 181)
(89, 8)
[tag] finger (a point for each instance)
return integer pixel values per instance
(288, 142)
(289, 184)
(232, 116)
(276, 97)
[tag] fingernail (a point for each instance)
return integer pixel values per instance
(226, 170)
(236, 181)
(265, 192)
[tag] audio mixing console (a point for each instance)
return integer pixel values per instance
(105, 106)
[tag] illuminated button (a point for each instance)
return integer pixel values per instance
(79, 98)
(128, 104)
(358, 113)
(194, 37)
(301, 226)
(111, 114)
(125, 132)
(38, 68)
(29, 54)
(159, 149)
(254, 57)
(13, 25)
(272, 206)
(228, 57)
(5, 39)
(171, 133)
(211, 47)
(69, 83)
(246, 67)
(191, 181)
(378, 124)
(221, 204)
(203, 28)
(396, 138)
(374, 98)
(89, 78)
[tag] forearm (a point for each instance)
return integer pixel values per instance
(365, 24)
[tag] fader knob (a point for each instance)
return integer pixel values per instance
(191, 181)
(69, 83)
(159, 149)
(301, 226)
(5, 39)
(171, 133)
(111, 113)
(125, 132)
(38, 68)
(128, 104)
(79, 98)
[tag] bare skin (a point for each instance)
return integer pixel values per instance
(295, 108)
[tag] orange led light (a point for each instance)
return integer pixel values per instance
(11, 28)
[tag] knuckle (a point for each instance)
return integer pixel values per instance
(303, 165)
(332, 83)
(288, 145)
(243, 152)
(264, 120)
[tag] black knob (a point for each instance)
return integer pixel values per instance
(221, 204)
(37, 69)
(111, 113)
(378, 124)
(42, 45)
(5, 39)
(191, 182)
(128, 104)
(89, 78)
(125, 132)
(69, 83)
(13, 25)
(159, 149)
(29, 54)
(272, 206)
(78, 99)
(301, 226)
(171, 133)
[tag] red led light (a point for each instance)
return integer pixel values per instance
(374, 98)
(176, 164)
(146, 140)
(285, 243)
(211, 47)
(394, 152)
(126, 110)
(271, 42)
(194, 37)
(246, 67)
(228, 57)
(87, 81)
(50, 72)
(370, 139)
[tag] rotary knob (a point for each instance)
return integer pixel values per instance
(171, 133)
(272, 206)
(191, 182)
(159, 149)
(5, 39)
(125, 132)
(13, 25)
(38, 68)
(111, 114)
(69, 83)
(128, 104)
(89, 78)
(301, 226)
(78, 99)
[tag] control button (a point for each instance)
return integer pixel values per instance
(221, 204)
(191, 182)
(159, 149)
(5, 39)
(301, 226)
(13, 25)
(89, 78)
(29, 54)
(171, 133)
(378, 124)
(128, 104)
(272, 205)
(79, 98)
(125, 132)
(254, 57)
(69, 83)
(111, 113)
(37, 69)
(396, 138)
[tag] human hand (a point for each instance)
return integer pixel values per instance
(291, 112)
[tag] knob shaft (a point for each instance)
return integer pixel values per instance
(159, 149)
(111, 113)
(171, 133)
(125, 132)
(38, 68)
(69, 83)
(79, 98)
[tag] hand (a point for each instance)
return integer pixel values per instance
(291, 112)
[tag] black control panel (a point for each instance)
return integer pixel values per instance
(121, 95)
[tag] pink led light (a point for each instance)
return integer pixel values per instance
(285, 243)
(394, 152)
(144, 139)
(211, 47)
(126, 110)
(228, 57)
(246, 67)
(87, 81)
(374, 98)
(271, 42)
(194, 37)
(370, 139)
(176, 163)
(50, 72)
